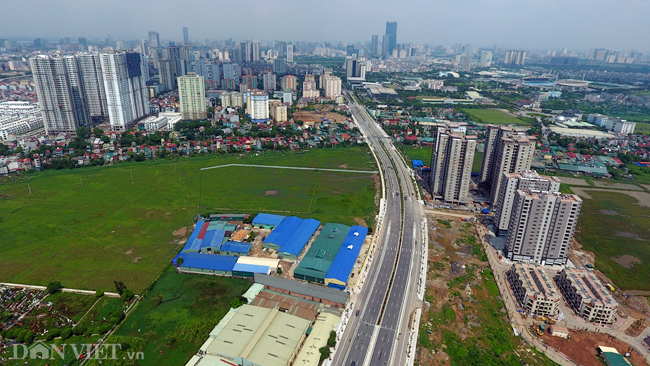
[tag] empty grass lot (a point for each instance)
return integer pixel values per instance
(614, 227)
(494, 116)
(119, 224)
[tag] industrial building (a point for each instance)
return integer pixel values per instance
(318, 260)
(290, 236)
(528, 179)
(205, 263)
(328, 296)
(339, 272)
(611, 356)
(267, 221)
(309, 354)
(586, 295)
(251, 335)
(533, 289)
(235, 249)
(541, 227)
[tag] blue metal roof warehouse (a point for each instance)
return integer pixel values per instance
(212, 240)
(267, 220)
(235, 248)
(339, 272)
(191, 243)
(282, 232)
(297, 241)
(207, 263)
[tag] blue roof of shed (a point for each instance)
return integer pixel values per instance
(213, 239)
(283, 232)
(208, 261)
(344, 261)
(268, 219)
(297, 241)
(251, 268)
(233, 246)
(191, 242)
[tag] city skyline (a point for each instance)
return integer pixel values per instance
(477, 22)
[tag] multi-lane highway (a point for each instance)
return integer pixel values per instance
(378, 335)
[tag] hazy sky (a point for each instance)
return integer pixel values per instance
(532, 24)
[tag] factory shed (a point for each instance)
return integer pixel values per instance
(339, 272)
(297, 241)
(211, 243)
(281, 234)
(190, 246)
(309, 354)
(314, 266)
(248, 270)
(303, 290)
(267, 221)
(236, 249)
(207, 263)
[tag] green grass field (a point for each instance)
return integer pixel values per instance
(613, 225)
(478, 159)
(493, 116)
(181, 307)
(73, 306)
(417, 153)
(642, 128)
(119, 224)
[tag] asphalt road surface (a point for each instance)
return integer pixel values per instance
(379, 334)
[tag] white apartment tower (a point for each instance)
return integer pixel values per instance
(332, 87)
(60, 92)
(126, 91)
(451, 166)
(309, 89)
(541, 227)
(269, 81)
(258, 106)
(526, 180)
(486, 59)
(91, 74)
(191, 94)
(289, 53)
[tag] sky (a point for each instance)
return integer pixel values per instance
(527, 24)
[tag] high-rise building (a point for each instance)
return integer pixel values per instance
(385, 41)
(83, 44)
(38, 43)
(210, 71)
(526, 180)
(269, 81)
(60, 92)
(321, 80)
(541, 227)
(466, 62)
(154, 39)
(355, 68)
(250, 81)
(514, 58)
(289, 82)
(191, 95)
(171, 67)
(126, 90)
(280, 66)
(486, 59)
(451, 164)
(289, 53)
(391, 32)
(258, 106)
(282, 49)
(374, 46)
(332, 87)
(186, 36)
(278, 111)
(506, 150)
(91, 74)
(256, 52)
(309, 89)
(231, 71)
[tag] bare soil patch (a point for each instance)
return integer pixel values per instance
(271, 193)
(130, 251)
(627, 260)
(574, 181)
(136, 259)
(582, 347)
(344, 166)
(180, 232)
(643, 198)
(360, 221)
(609, 184)
(609, 212)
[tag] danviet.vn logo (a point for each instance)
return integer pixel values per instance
(46, 351)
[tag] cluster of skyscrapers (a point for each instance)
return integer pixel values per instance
(537, 220)
(75, 90)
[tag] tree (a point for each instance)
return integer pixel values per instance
(238, 301)
(53, 287)
(66, 333)
(324, 352)
(119, 287)
(99, 293)
(179, 261)
(98, 132)
(127, 295)
(83, 132)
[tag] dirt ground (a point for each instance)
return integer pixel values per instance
(317, 116)
(627, 261)
(180, 232)
(581, 347)
(642, 197)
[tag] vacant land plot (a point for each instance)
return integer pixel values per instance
(177, 315)
(615, 185)
(464, 321)
(574, 181)
(418, 153)
(86, 227)
(494, 116)
(614, 226)
(478, 159)
(320, 113)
